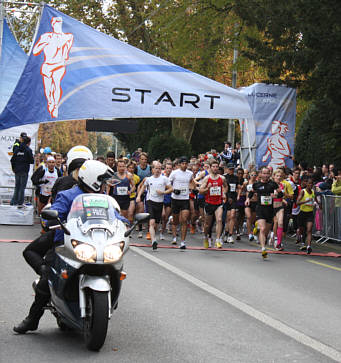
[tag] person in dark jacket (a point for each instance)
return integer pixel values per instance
(20, 161)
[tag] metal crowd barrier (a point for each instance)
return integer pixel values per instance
(6, 199)
(330, 219)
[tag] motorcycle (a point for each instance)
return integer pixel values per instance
(86, 277)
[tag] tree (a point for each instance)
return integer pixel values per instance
(104, 143)
(167, 146)
(299, 43)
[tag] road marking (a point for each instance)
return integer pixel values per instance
(325, 265)
(265, 319)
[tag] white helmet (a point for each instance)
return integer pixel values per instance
(93, 173)
(78, 152)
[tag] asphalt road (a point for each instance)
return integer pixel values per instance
(189, 306)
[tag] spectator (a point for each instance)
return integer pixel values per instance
(226, 155)
(20, 161)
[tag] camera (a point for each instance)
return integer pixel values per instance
(177, 191)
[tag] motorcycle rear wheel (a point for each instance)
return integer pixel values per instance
(96, 321)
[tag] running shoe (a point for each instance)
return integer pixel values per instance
(154, 245)
(279, 247)
(174, 241)
(238, 237)
(303, 248)
(264, 253)
(162, 237)
(309, 250)
(148, 236)
(218, 244)
(140, 235)
(251, 238)
(230, 239)
(183, 245)
(206, 243)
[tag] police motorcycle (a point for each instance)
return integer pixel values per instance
(86, 277)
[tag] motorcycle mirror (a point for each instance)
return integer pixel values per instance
(49, 214)
(142, 217)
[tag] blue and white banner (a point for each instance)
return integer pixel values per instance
(76, 72)
(274, 114)
(12, 63)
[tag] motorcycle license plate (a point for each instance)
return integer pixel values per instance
(95, 201)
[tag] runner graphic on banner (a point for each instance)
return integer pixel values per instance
(274, 114)
(56, 47)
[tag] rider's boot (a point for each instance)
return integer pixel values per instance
(31, 322)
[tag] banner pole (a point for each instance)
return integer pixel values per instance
(42, 4)
(248, 140)
(1, 25)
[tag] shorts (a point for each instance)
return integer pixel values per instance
(166, 205)
(123, 202)
(265, 212)
(305, 217)
(43, 199)
(211, 208)
(179, 205)
(278, 209)
(229, 206)
(201, 203)
(252, 206)
(155, 210)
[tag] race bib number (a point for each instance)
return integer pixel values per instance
(232, 187)
(265, 200)
(249, 187)
(215, 191)
(310, 202)
(184, 191)
(122, 190)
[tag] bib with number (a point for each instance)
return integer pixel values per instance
(184, 191)
(249, 187)
(215, 190)
(122, 190)
(265, 200)
(232, 187)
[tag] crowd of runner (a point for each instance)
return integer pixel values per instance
(209, 190)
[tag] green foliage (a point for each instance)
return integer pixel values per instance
(147, 128)
(315, 144)
(104, 143)
(299, 43)
(163, 146)
(214, 132)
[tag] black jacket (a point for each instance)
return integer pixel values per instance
(22, 158)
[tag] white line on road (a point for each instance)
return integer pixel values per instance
(265, 319)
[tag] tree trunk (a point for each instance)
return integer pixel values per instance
(182, 128)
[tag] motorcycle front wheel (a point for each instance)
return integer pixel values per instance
(96, 320)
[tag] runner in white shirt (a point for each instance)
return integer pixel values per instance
(157, 186)
(182, 181)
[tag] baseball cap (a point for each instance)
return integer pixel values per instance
(183, 159)
(50, 158)
(230, 166)
(23, 134)
(47, 150)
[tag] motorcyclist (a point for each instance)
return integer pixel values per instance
(91, 177)
(34, 253)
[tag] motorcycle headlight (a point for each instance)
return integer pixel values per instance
(113, 253)
(85, 252)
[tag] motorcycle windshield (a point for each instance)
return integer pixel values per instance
(93, 209)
